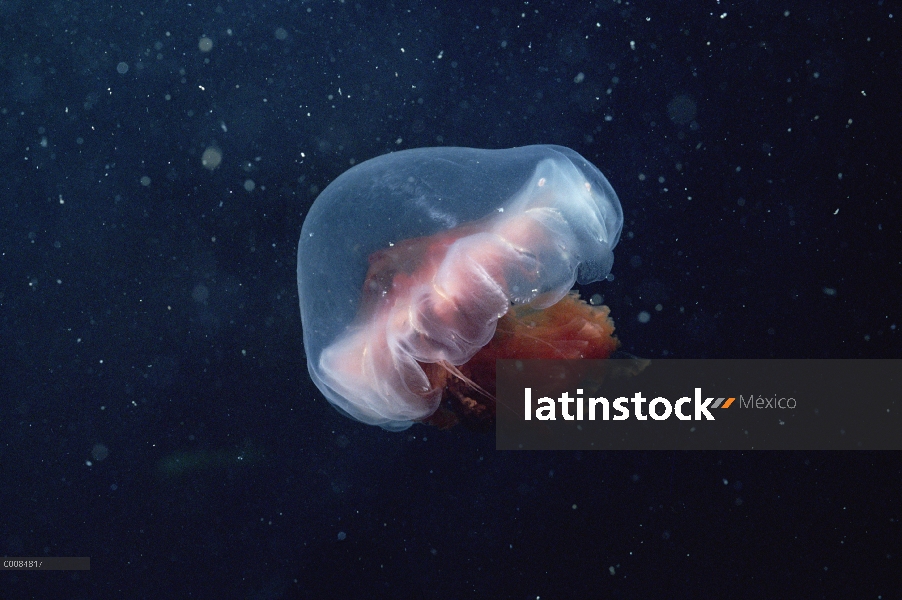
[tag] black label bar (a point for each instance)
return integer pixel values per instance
(45, 563)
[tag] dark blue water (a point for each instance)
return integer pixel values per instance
(155, 408)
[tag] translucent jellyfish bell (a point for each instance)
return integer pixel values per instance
(408, 261)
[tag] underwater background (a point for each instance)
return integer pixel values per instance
(156, 413)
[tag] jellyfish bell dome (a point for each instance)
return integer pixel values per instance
(408, 262)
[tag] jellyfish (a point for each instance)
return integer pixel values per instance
(418, 269)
